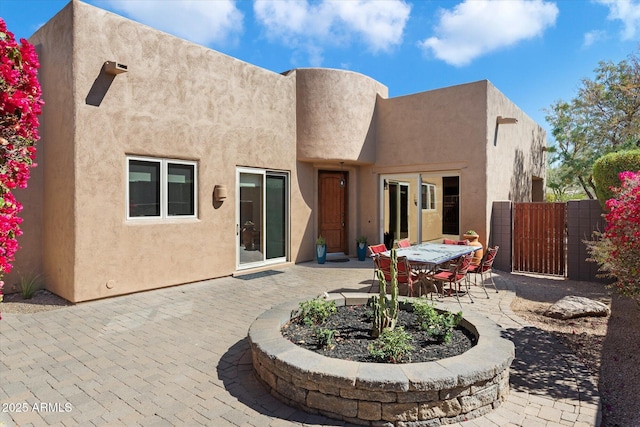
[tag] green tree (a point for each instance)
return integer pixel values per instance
(604, 117)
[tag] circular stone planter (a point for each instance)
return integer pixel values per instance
(418, 394)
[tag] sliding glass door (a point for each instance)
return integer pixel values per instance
(263, 217)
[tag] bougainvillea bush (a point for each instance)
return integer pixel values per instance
(617, 250)
(20, 105)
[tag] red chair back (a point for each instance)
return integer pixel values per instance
(449, 242)
(487, 263)
(403, 268)
(376, 249)
(404, 243)
(462, 267)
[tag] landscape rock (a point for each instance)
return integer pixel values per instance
(573, 306)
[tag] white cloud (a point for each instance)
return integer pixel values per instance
(593, 37)
(380, 23)
(476, 27)
(627, 11)
(202, 22)
(301, 25)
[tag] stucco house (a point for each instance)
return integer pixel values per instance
(163, 162)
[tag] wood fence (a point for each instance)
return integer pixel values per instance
(539, 238)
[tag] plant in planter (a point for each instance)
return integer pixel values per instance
(385, 311)
(362, 247)
(436, 324)
(391, 346)
(321, 250)
(471, 233)
(315, 311)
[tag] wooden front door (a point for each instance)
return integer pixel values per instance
(332, 212)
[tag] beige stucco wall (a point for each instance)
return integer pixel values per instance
(177, 100)
(335, 113)
(440, 131)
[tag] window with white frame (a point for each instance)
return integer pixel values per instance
(161, 188)
(428, 197)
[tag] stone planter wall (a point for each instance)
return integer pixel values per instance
(413, 394)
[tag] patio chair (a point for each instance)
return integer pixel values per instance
(404, 243)
(449, 242)
(455, 276)
(485, 267)
(405, 274)
(374, 250)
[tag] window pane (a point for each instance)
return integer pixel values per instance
(432, 196)
(180, 189)
(276, 213)
(144, 188)
(424, 197)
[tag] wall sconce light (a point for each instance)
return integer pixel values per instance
(506, 120)
(219, 193)
(114, 68)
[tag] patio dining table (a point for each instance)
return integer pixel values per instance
(425, 258)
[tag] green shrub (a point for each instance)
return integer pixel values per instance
(607, 168)
(29, 285)
(391, 346)
(325, 337)
(438, 325)
(315, 311)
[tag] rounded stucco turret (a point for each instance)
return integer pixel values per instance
(336, 115)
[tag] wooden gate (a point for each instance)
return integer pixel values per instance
(539, 238)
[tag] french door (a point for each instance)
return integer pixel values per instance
(262, 213)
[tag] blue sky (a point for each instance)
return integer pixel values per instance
(534, 51)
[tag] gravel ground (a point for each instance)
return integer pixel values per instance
(42, 300)
(608, 346)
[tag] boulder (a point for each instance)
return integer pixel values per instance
(573, 306)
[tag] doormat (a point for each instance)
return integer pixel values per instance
(338, 260)
(258, 275)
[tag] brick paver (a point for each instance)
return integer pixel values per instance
(180, 356)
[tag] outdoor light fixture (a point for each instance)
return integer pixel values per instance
(220, 193)
(115, 68)
(506, 120)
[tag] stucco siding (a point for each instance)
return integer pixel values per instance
(336, 115)
(178, 101)
(442, 130)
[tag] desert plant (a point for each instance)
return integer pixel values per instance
(320, 241)
(361, 239)
(315, 311)
(616, 250)
(325, 337)
(439, 325)
(29, 284)
(385, 311)
(391, 346)
(471, 233)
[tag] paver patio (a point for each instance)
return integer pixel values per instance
(180, 356)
